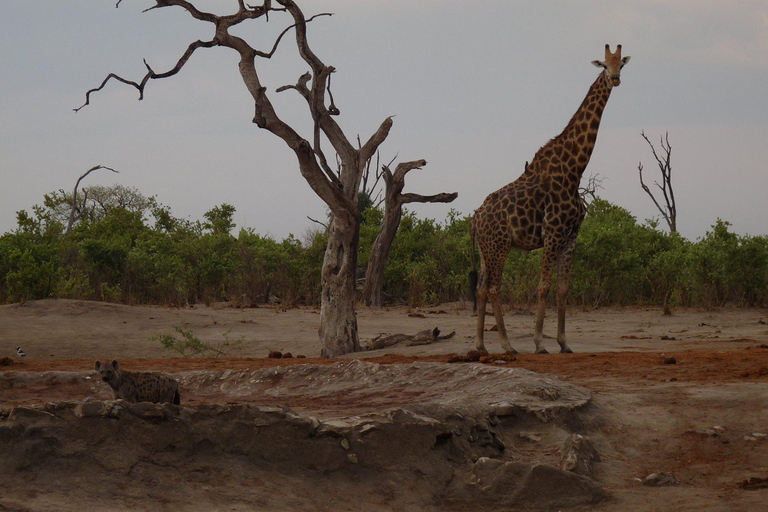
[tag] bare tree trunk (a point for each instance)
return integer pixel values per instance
(338, 323)
(377, 263)
(393, 213)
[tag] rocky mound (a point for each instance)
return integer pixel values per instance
(357, 435)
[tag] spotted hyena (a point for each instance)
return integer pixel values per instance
(139, 386)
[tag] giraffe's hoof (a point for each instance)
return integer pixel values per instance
(510, 351)
(542, 351)
(566, 350)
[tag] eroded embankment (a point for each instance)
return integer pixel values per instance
(423, 436)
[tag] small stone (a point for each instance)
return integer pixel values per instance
(504, 409)
(90, 409)
(345, 444)
(754, 483)
(660, 479)
(351, 457)
(146, 410)
(367, 428)
(719, 430)
(275, 354)
(287, 355)
(670, 360)
(530, 436)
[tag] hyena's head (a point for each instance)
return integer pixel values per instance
(109, 372)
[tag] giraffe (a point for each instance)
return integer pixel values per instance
(542, 208)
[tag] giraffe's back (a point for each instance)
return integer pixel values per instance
(511, 217)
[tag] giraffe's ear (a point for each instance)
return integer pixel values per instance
(599, 64)
(625, 60)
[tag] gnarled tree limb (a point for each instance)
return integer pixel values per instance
(73, 211)
(150, 73)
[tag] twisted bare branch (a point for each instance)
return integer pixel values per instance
(150, 73)
(269, 54)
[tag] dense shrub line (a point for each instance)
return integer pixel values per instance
(143, 255)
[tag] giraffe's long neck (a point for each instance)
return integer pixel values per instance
(580, 135)
(568, 154)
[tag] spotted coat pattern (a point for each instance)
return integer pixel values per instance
(154, 387)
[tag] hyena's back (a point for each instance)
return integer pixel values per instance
(149, 387)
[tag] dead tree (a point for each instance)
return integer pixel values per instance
(394, 200)
(73, 211)
(588, 192)
(338, 323)
(669, 210)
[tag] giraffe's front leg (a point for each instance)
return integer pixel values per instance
(563, 280)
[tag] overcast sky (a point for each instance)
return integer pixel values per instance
(476, 88)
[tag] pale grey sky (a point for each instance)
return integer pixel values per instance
(476, 86)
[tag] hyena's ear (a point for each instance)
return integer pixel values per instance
(115, 365)
(97, 366)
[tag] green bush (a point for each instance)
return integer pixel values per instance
(136, 252)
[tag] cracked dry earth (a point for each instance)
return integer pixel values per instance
(393, 431)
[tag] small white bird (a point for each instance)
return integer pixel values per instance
(20, 353)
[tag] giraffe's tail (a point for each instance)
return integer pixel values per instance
(473, 272)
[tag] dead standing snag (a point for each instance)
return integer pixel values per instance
(669, 210)
(338, 323)
(393, 212)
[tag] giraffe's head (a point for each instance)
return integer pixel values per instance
(612, 65)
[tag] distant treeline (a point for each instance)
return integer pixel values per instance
(127, 248)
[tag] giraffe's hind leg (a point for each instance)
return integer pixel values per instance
(547, 267)
(499, 314)
(482, 300)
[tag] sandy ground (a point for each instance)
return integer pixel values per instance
(654, 416)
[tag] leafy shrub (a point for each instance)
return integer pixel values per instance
(189, 345)
(115, 254)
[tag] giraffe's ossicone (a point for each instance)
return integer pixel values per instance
(542, 209)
